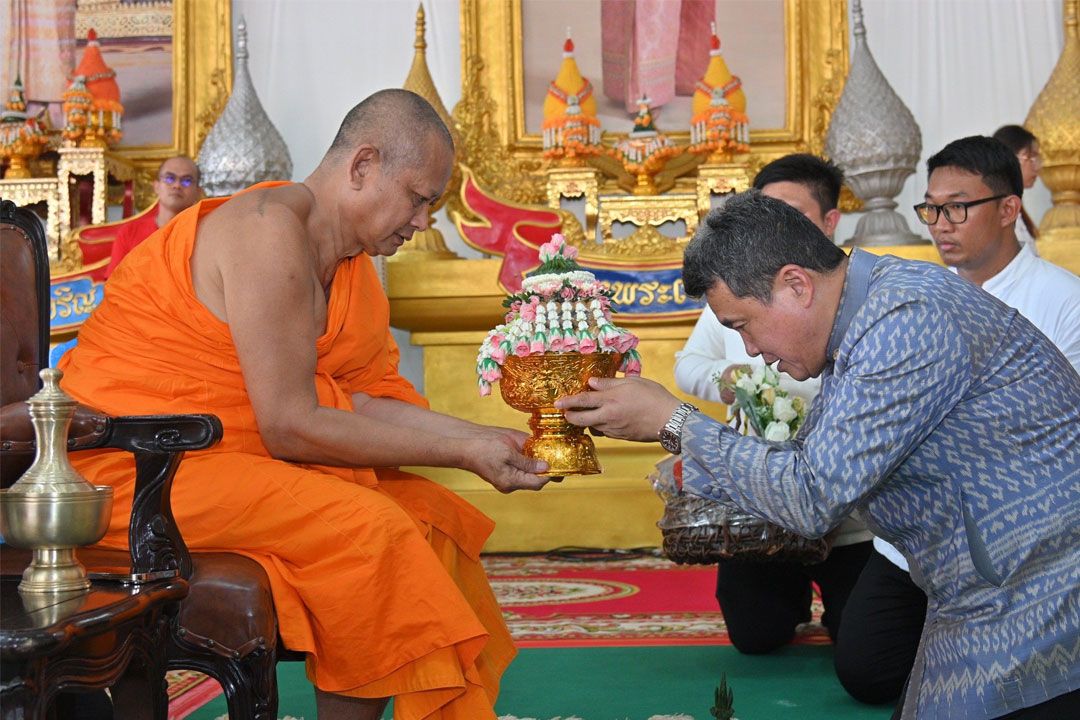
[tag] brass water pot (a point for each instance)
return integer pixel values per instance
(52, 509)
(533, 383)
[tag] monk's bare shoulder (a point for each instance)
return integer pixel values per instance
(254, 237)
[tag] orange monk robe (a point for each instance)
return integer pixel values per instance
(375, 573)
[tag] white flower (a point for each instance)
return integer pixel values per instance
(757, 377)
(746, 382)
(777, 431)
(772, 377)
(783, 410)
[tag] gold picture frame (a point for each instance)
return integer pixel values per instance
(816, 62)
(202, 76)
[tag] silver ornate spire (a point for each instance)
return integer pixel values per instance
(877, 142)
(243, 147)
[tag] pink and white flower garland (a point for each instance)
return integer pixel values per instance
(556, 312)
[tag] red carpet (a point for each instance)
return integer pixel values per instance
(558, 602)
(603, 601)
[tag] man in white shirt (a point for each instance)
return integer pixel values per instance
(763, 602)
(973, 200)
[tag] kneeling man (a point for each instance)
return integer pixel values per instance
(945, 417)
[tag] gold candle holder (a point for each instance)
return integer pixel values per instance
(52, 509)
(533, 383)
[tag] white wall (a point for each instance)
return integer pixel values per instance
(962, 67)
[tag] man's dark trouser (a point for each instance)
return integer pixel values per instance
(879, 633)
(762, 602)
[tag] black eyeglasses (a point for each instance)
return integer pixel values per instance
(185, 181)
(955, 212)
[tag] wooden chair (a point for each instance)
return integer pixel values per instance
(226, 627)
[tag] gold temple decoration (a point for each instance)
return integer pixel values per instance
(646, 152)
(38, 190)
(92, 103)
(572, 183)
(1054, 118)
(571, 130)
(533, 383)
(719, 127)
(52, 509)
(428, 244)
(648, 214)
(101, 165)
(22, 137)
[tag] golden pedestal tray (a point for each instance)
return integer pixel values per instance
(533, 383)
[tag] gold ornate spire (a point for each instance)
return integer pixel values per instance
(1053, 119)
(429, 244)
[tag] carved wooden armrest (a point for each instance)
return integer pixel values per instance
(158, 443)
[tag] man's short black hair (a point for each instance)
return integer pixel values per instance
(1016, 137)
(821, 177)
(746, 241)
(986, 157)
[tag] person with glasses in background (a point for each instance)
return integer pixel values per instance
(973, 200)
(177, 189)
(1026, 148)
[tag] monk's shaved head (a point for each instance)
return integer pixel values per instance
(397, 122)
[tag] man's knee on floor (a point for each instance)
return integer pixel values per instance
(759, 640)
(867, 682)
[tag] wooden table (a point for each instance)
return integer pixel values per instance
(112, 636)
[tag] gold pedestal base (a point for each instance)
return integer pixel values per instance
(54, 570)
(564, 447)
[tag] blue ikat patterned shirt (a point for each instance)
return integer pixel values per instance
(953, 426)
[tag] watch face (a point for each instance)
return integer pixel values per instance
(670, 441)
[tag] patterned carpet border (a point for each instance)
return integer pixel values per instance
(552, 601)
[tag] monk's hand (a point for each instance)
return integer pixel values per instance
(514, 438)
(504, 466)
(630, 408)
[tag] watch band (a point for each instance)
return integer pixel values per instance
(671, 434)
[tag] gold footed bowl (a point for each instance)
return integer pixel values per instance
(53, 525)
(533, 383)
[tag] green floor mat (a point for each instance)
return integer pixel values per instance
(635, 683)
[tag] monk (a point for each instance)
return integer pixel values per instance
(265, 310)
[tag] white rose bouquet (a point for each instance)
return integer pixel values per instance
(760, 405)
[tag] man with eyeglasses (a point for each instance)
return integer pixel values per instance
(945, 418)
(973, 201)
(177, 189)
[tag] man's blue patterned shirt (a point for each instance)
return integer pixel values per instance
(953, 426)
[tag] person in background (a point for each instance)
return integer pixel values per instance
(177, 189)
(1026, 148)
(763, 602)
(972, 204)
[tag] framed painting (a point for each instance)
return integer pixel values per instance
(792, 56)
(173, 60)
